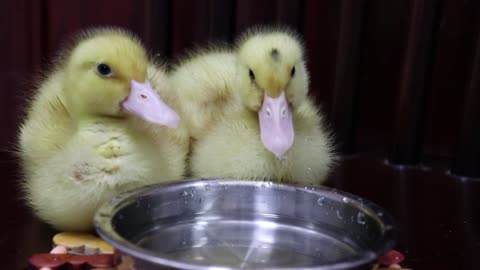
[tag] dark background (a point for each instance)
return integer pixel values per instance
(398, 81)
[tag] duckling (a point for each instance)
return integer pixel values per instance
(278, 133)
(96, 127)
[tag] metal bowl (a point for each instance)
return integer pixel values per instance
(233, 224)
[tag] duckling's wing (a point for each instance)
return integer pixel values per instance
(204, 85)
(48, 123)
(313, 151)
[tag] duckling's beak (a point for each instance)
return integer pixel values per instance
(276, 125)
(145, 103)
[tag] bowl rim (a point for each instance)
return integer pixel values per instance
(108, 209)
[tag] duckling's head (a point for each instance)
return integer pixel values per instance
(106, 75)
(272, 80)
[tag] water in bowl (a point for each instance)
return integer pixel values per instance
(248, 242)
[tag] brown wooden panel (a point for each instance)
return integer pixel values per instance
(197, 22)
(190, 25)
(291, 13)
(320, 30)
(222, 20)
(67, 17)
(453, 59)
(382, 52)
(415, 82)
(276, 12)
(158, 27)
(20, 27)
(467, 159)
(344, 104)
(254, 12)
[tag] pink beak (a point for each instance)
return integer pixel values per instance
(276, 125)
(145, 103)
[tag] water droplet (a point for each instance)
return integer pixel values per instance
(361, 219)
(321, 201)
(339, 216)
(184, 193)
(346, 200)
(380, 214)
(201, 199)
(199, 258)
(306, 188)
(184, 243)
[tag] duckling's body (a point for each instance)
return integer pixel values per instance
(76, 155)
(233, 149)
(245, 142)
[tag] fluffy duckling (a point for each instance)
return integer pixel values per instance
(96, 127)
(277, 133)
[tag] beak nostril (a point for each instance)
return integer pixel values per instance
(276, 125)
(145, 103)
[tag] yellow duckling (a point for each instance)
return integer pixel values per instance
(96, 127)
(277, 133)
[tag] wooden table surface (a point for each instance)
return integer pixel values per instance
(438, 214)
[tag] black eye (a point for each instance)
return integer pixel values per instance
(104, 70)
(293, 71)
(252, 76)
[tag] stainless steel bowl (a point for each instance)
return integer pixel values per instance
(232, 224)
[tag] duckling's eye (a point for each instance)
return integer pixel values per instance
(252, 76)
(293, 71)
(104, 70)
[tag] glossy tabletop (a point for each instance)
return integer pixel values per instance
(438, 214)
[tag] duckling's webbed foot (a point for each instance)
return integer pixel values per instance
(110, 149)
(98, 164)
(88, 172)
